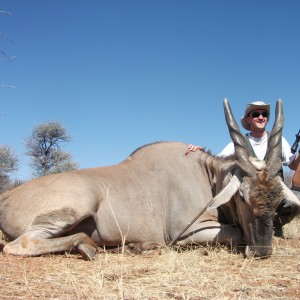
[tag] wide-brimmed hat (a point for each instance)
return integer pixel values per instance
(254, 106)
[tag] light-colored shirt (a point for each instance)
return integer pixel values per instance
(259, 146)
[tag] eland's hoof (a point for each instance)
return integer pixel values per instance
(87, 251)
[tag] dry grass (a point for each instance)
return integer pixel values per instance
(201, 273)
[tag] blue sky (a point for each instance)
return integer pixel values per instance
(121, 74)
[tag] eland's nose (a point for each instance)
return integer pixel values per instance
(258, 251)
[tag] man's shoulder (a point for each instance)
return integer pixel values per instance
(285, 143)
(227, 150)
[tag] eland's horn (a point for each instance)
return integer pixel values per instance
(274, 151)
(241, 153)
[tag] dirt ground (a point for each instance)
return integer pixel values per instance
(198, 273)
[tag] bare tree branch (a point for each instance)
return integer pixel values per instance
(8, 86)
(6, 37)
(5, 12)
(2, 53)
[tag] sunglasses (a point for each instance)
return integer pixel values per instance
(256, 114)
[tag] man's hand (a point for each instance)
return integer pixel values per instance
(193, 148)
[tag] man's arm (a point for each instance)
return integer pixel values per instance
(289, 159)
(295, 163)
(193, 148)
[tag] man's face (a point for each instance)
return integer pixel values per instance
(258, 119)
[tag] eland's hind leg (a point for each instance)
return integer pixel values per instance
(47, 235)
(31, 244)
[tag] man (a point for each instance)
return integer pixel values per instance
(255, 120)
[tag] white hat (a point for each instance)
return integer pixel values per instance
(253, 106)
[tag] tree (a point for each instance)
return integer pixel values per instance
(9, 163)
(44, 147)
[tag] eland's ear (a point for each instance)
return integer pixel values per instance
(225, 195)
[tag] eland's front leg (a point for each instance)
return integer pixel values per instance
(212, 233)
